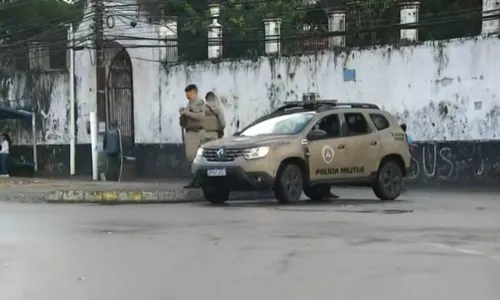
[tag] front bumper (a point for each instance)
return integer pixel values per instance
(236, 179)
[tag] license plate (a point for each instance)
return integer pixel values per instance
(216, 172)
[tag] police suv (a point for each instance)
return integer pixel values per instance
(307, 147)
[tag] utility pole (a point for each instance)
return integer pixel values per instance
(100, 67)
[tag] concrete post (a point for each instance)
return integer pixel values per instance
(409, 15)
(336, 24)
(168, 31)
(214, 33)
(272, 35)
(491, 24)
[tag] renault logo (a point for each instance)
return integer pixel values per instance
(221, 152)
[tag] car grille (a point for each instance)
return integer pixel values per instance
(229, 154)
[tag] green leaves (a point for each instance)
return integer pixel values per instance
(20, 20)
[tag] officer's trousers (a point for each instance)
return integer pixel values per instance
(113, 166)
(193, 140)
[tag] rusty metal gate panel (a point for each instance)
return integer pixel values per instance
(120, 100)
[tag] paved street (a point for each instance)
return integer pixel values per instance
(427, 246)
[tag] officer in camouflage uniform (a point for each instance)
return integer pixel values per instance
(191, 120)
(214, 122)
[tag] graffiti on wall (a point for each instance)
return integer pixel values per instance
(473, 161)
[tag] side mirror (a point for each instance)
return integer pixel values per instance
(317, 135)
(237, 133)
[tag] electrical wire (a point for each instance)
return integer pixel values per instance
(493, 14)
(457, 16)
(19, 27)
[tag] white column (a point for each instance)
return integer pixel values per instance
(336, 24)
(168, 31)
(71, 91)
(409, 15)
(491, 24)
(214, 33)
(93, 144)
(272, 35)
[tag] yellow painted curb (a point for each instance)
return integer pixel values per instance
(110, 196)
(120, 196)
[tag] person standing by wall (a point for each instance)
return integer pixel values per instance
(112, 148)
(214, 122)
(191, 120)
(409, 142)
(4, 155)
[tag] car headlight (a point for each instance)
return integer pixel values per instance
(257, 152)
(199, 153)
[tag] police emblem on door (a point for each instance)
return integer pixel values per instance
(327, 153)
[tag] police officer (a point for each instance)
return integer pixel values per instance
(191, 120)
(112, 148)
(214, 122)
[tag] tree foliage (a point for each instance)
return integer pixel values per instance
(451, 18)
(22, 20)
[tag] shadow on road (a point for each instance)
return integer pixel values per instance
(334, 203)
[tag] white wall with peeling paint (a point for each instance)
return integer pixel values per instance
(146, 56)
(442, 90)
(48, 93)
(432, 87)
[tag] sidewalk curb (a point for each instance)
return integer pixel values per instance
(120, 196)
(140, 197)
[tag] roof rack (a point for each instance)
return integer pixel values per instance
(358, 105)
(322, 105)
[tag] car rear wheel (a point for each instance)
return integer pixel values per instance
(289, 184)
(216, 195)
(389, 182)
(318, 192)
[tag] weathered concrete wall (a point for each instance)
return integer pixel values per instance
(445, 92)
(466, 163)
(47, 94)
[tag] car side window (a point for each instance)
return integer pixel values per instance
(356, 124)
(331, 125)
(380, 121)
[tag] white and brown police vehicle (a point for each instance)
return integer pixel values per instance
(307, 147)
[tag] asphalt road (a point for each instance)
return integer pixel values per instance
(427, 246)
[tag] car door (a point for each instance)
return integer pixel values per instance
(327, 155)
(362, 146)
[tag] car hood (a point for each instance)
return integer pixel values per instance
(247, 141)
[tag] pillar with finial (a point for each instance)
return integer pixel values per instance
(272, 27)
(214, 32)
(336, 27)
(491, 21)
(409, 15)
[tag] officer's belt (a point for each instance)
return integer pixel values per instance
(194, 129)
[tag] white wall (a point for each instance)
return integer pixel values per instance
(412, 82)
(145, 54)
(48, 93)
(415, 82)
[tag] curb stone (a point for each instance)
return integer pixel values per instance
(119, 196)
(145, 196)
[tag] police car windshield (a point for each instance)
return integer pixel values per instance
(288, 124)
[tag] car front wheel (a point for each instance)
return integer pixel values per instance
(289, 184)
(389, 182)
